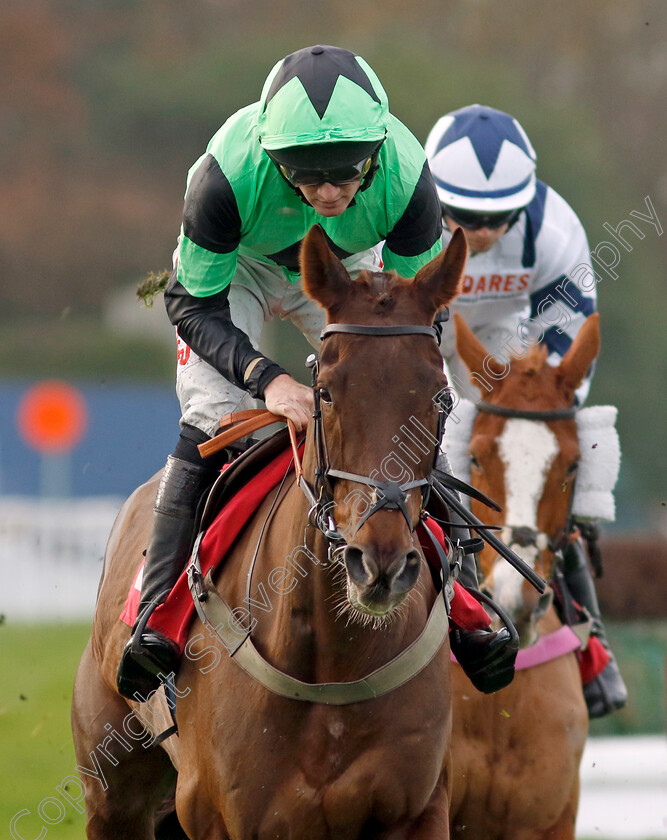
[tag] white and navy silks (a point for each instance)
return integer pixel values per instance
(536, 284)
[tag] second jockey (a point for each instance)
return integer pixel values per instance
(528, 279)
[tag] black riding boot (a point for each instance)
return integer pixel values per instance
(148, 653)
(607, 692)
(487, 656)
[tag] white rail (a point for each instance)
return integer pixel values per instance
(51, 556)
(624, 789)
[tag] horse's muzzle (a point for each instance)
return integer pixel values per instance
(379, 585)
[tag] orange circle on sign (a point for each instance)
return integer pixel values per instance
(52, 416)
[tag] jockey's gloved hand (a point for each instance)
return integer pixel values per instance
(487, 656)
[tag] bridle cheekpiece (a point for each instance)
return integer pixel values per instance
(387, 495)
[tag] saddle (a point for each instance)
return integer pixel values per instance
(236, 494)
(240, 472)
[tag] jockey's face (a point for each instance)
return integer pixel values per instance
(481, 240)
(330, 199)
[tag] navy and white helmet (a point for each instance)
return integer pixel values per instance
(481, 160)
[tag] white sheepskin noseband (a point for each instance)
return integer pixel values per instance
(598, 468)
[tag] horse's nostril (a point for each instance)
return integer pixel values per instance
(406, 573)
(361, 569)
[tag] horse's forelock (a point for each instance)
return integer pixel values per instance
(535, 361)
(382, 293)
(531, 383)
(379, 283)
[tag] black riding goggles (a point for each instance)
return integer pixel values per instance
(474, 220)
(337, 176)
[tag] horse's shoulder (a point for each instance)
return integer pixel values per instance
(124, 553)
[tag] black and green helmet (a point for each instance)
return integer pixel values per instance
(323, 110)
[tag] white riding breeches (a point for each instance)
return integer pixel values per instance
(258, 292)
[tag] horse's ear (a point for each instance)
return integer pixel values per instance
(323, 275)
(439, 279)
(583, 351)
(474, 354)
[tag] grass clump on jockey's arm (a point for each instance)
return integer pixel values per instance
(153, 285)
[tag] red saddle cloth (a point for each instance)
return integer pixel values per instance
(174, 617)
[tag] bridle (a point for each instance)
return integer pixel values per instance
(524, 535)
(386, 495)
(525, 414)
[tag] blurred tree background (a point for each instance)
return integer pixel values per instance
(104, 105)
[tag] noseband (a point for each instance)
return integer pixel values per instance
(387, 495)
(525, 536)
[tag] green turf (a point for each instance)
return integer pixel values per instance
(37, 664)
(37, 667)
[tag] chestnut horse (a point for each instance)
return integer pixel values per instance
(251, 762)
(517, 752)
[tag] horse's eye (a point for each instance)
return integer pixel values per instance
(574, 466)
(473, 460)
(325, 396)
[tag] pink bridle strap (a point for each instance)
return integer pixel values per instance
(561, 641)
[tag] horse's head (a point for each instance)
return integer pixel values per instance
(380, 416)
(526, 459)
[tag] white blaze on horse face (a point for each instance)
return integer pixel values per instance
(527, 450)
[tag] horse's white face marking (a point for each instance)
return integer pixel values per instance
(507, 582)
(527, 450)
